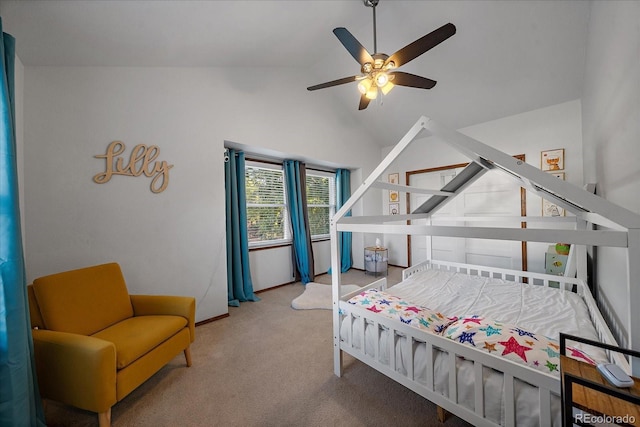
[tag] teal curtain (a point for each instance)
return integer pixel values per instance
(20, 403)
(239, 283)
(295, 177)
(343, 192)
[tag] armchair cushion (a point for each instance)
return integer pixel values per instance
(136, 336)
(83, 301)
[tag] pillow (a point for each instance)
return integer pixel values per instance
(512, 342)
(396, 308)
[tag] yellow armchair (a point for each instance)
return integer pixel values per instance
(94, 343)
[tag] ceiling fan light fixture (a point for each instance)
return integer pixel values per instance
(364, 85)
(372, 93)
(382, 79)
(387, 88)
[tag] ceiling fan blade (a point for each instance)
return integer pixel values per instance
(334, 83)
(405, 79)
(423, 44)
(353, 45)
(364, 102)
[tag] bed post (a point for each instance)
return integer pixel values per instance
(580, 260)
(335, 294)
(633, 283)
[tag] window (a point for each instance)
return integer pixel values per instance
(321, 202)
(267, 211)
(267, 215)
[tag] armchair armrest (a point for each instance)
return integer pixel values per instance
(145, 305)
(75, 369)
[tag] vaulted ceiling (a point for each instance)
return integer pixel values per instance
(507, 57)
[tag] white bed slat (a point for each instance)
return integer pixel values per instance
(348, 317)
(363, 334)
(453, 377)
(429, 363)
(409, 362)
(509, 402)
(392, 349)
(376, 340)
(479, 388)
(545, 407)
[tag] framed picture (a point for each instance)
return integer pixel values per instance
(394, 178)
(394, 208)
(551, 209)
(552, 160)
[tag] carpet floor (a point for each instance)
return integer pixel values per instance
(266, 365)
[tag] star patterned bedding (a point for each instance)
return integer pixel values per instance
(512, 342)
(399, 309)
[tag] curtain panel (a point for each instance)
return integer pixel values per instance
(239, 283)
(20, 402)
(295, 176)
(343, 192)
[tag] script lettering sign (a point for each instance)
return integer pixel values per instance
(141, 161)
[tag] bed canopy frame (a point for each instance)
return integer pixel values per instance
(617, 226)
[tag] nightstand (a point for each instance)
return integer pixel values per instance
(584, 388)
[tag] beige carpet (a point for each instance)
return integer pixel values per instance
(266, 365)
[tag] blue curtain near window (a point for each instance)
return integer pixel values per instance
(19, 397)
(343, 192)
(295, 177)
(239, 283)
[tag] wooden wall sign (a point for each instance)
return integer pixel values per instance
(141, 161)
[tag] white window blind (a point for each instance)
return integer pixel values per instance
(321, 202)
(267, 214)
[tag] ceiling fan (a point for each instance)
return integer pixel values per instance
(377, 70)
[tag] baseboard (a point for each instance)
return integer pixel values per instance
(212, 319)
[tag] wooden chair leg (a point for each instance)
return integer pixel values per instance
(187, 355)
(104, 418)
(442, 414)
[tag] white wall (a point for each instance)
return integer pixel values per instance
(172, 242)
(611, 129)
(557, 126)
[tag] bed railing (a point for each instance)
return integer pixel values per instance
(400, 334)
(540, 279)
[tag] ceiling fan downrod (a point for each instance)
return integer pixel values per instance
(372, 4)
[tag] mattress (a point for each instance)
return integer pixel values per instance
(546, 311)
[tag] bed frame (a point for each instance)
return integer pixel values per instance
(618, 227)
(547, 384)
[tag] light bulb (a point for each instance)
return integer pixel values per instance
(382, 79)
(386, 88)
(364, 85)
(372, 93)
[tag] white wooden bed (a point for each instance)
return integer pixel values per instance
(618, 228)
